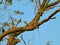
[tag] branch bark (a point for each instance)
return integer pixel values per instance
(47, 19)
(52, 4)
(13, 32)
(13, 41)
(27, 28)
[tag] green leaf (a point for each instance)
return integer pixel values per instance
(49, 43)
(12, 23)
(25, 22)
(9, 2)
(3, 30)
(15, 20)
(32, 0)
(1, 1)
(5, 24)
(19, 21)
(53, 18)
(18, 12)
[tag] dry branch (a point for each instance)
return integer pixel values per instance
(27, 28)
(45, 20)
(13, 32)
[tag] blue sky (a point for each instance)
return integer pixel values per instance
(49, 31)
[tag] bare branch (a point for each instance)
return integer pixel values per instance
(45, 20)
(13, 41)
(27, 28)
(19, 29)
(53, 4)
(34, 21)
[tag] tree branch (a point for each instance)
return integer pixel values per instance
(19, 29)
(13, 41)
(52, 4)
(13, 32)
(45, 20)
(27, 28)
(30, 27)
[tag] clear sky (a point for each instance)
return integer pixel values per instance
(49, 31)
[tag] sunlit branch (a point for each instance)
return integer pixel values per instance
(53, 4)
(47, 19)
(27, 28)
(16, 31)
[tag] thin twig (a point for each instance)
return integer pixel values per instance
(45, 20)
(23, 39)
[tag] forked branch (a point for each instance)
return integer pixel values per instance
(27, 28)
